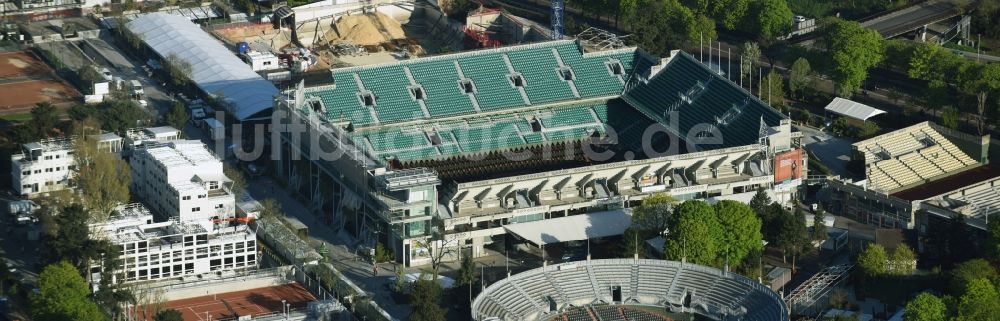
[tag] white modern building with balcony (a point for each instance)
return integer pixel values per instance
(173, 249)
(48, 165)
(182, 179)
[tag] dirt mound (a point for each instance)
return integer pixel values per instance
(367, 29)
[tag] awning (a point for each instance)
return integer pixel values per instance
(211, 177)
(852, 109)
(573, 228)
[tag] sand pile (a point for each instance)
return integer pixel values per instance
(368, 29)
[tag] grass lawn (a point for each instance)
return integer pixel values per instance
(16, 117)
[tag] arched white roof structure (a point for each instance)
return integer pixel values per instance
(214, 68)
(852, 109)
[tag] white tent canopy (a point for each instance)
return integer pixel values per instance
(214, 68)
(573, 228)
(852, 109)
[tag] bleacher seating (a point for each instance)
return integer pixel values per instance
(343, 101)
(489, 73)
(573, 286)
(392, 98)
(911, 156)
(440, 80)
(542, 80)
(593, 77)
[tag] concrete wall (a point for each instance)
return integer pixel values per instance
(232, 283)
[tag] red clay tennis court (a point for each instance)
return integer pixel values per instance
(19, 64)
(250, 302)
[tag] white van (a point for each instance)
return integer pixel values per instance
(136, 88)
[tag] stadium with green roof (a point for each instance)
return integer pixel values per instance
(451, 150)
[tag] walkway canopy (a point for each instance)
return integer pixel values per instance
(573, 228)
(852, 109)
(214, 69)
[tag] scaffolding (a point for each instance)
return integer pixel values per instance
(803, 299)
(598, 39)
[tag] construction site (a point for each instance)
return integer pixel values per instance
(361, 35)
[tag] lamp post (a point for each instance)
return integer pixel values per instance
(283, 311)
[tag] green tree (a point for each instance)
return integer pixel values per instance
(818, 232)
(381, 253)
(949, 118)
(694, 233)
(425, 300)
(799, 77)
(740, 231)
(968, 271)
(993, 240)
(902, 261)
(71, 240)
(760, 202)
(925, 307)
(868, 129)
(5, 274)
(44, 118)
(980, 302)
(89, 75)
(653, 214)
(237, 184)
(466, 272)
(792, 237)
(633, 243)
(872, 260)
(400, 281)
(855, 49)
(102, 177)
(729, 13)
(63, 295)
(178, 69)
(773, 90)
(770, 18)
(751, 53)
(168, 315)
(922, 64)
(270, 208)
(898, 54)
(177, 116)
(118, 115)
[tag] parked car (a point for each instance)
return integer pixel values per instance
(107, 74)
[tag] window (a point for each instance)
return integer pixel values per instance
(566, 73)
(217, 206)
(417, 92)
(58, 156)
(516, 79)
(195, 209)
(26, 173)
(48, 170)
(38, 171)
(615, 67)
(367, 98)
(186, 197)
(48, 157)
(467, 86)
(202, 196)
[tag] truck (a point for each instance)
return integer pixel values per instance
(21, 207)
(136, 88)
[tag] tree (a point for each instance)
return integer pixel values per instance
(694, 233)
(925, 307)
(855, 49)
(818, 232)
(71, 241)
(751, 53)
(168, 315)
(799, 77)
(968, 271)
(119, 115)
(773, 91)
(400, 281)
(63, 295)
(466, 271)
(922, 62)
(103, 178)
(177, 116)
(792, 236)
(993, 242)
(4, 273)
(760, 202)
(425, 300)
(270, 208)
(178, 69)
(949, 118)
(872, 260)
(438, 248)
(633, 243)
(382, 254)
(980, 302)
(89, 75)
(238, 184)
(44, 118)
(902, 261)
(729, 13)
(770, 18)
(740, 231)
(654, 213)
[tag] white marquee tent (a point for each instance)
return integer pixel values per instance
(214, 68)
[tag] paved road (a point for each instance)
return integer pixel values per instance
(831, 151)
(898, 22)
(121, 66)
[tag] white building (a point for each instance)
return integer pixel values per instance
(173, 249)
(48, 165)
(139, 136)
(43, 166)
(261, 61)
(182, 179)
